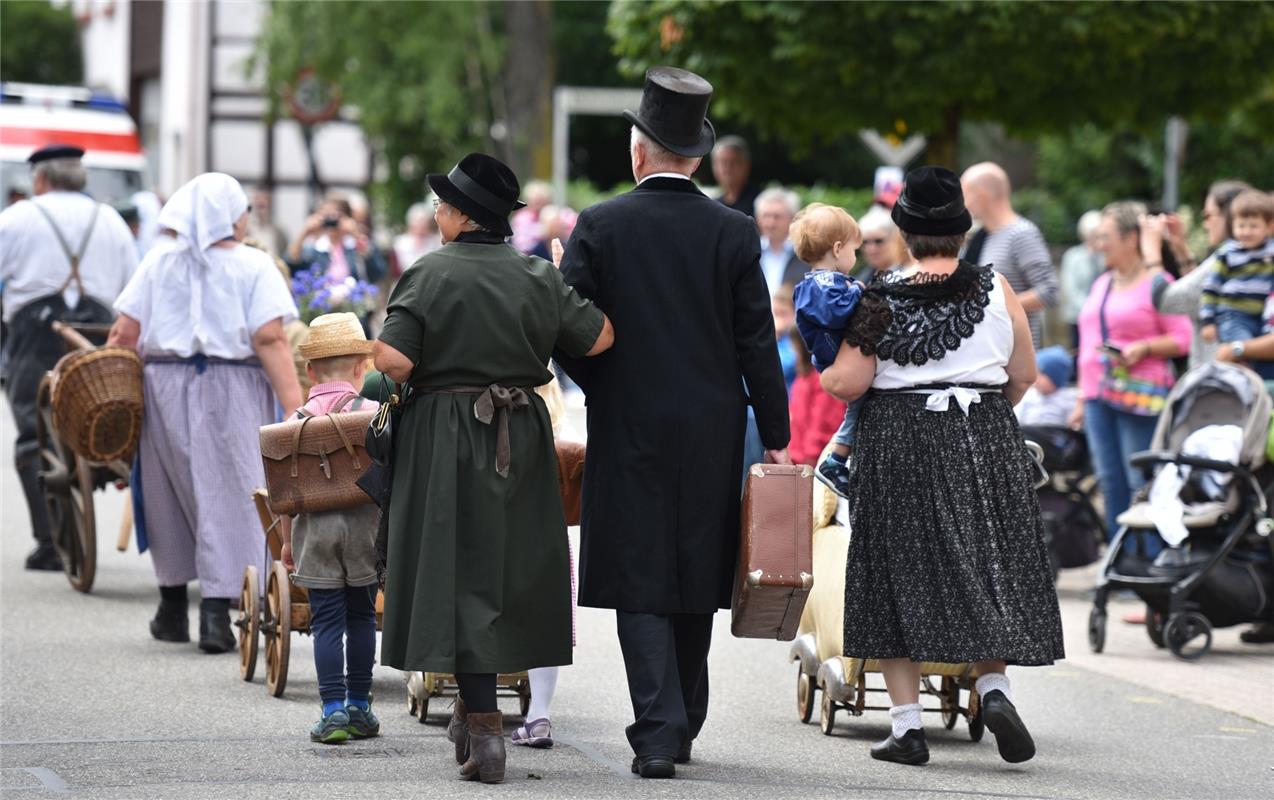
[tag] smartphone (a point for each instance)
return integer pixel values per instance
(1110, 349)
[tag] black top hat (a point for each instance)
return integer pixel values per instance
(673, 112)
(932, 204)
(483, 188)
(52, 151)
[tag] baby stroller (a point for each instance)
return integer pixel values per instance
(1073, 530)
(1221, 575)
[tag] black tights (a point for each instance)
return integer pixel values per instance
(477, 689)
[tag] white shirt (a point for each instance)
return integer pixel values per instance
(663, 175)
(980, 360)
(773, 264)
(240, 290)
(34, 265)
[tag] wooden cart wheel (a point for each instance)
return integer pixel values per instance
(977, 726)
(524, 697)
(827, 715)
(950, 698)
(67, 486)
(804, 695)
(249, 622)
(276, 623)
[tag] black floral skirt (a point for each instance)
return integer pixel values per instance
(947, 560)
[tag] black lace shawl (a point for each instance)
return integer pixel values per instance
(921, 318)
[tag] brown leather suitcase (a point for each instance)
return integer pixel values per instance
(776, 563)
(314, 463)
(570, 478)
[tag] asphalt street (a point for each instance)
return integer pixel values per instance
(91, 706)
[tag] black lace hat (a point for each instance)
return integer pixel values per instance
(483, 188)
(673, 111)
(932, 204)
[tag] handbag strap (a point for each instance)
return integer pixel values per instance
(1101, 311)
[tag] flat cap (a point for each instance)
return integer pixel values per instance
(52, 151)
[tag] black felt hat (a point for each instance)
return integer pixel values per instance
(52, 151)
(932, 204)
(483, 188)
(673, 111)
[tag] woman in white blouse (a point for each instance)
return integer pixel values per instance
(207, 315)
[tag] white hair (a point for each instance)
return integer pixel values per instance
(657, 155)
(1088, 224)
(876, 219)
(66, 174)
(777, 193)
(419, 211)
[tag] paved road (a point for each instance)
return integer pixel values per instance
(91, 707)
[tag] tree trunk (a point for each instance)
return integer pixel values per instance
(529, 76)
(942, 147)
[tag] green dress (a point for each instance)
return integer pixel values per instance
(478, 574)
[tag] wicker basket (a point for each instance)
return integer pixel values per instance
(97, 402)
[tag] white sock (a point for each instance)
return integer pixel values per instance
(906, 718)
(543, 684)
(992, 681)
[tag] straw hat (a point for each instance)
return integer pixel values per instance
(334, 335)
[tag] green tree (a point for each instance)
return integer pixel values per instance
(811, 71)
(430, 81)
(39, 43)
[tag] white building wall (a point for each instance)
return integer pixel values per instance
(104, 27)
(183, 119)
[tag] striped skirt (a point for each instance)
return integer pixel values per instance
(200, 460)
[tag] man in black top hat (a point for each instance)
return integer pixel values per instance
(680, 277)
(62, 257)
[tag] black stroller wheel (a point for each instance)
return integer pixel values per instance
(1096, 630)
(1188, 635)
(1154, 627)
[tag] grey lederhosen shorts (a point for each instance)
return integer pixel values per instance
(335, 549)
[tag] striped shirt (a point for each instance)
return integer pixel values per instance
(1238, 281)
(1017, 251)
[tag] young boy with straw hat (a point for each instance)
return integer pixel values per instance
(335, 551)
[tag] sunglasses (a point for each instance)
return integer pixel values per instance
(876, 242)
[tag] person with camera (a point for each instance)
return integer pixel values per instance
(1125, 350)
(333, 241)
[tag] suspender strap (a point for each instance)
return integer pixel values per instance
(73, 257)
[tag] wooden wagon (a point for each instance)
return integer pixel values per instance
(68, 480)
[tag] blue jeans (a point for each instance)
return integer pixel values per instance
(1113, 436)
(343, 624)
(845, 433)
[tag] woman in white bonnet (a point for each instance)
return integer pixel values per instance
(207, 315)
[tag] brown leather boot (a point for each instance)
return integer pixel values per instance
(486, 748)
(458, 731)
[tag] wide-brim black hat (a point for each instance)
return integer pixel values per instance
(932, 204)
(483, 188)
(673, 111)
(51, 152)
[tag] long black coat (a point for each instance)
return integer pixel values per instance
(680, 277)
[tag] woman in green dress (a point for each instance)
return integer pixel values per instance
(478, 579)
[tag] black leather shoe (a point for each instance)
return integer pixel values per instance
(911, 749)
(1011, 735)
(171, 623)
(44, 558)
(654, 767)
(1262, 633)
(215, 635)
(683, 755)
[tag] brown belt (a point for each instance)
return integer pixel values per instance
(494, 403)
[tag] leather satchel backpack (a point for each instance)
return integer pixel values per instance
(313, 463)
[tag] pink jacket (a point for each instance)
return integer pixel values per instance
(1130, 317)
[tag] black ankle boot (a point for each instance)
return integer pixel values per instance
(171, 622)
(215, 635)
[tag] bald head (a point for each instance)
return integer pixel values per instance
(987, 191)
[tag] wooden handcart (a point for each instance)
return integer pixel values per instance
(284, 609)
(68, 479)
(425, 686)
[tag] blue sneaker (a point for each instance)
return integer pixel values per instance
(331, 729)
(834, 476)
(362, 724)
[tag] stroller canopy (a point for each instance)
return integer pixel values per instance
(1217, 394)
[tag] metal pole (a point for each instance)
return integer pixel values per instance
(1174, 140)
(561, 143)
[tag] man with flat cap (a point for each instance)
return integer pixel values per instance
(680, 277)
(63, 256)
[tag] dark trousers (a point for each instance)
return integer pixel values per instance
(343, 624)
(666, 658)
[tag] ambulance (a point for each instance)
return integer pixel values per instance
(32, 116)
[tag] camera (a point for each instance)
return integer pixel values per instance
(331, 222)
